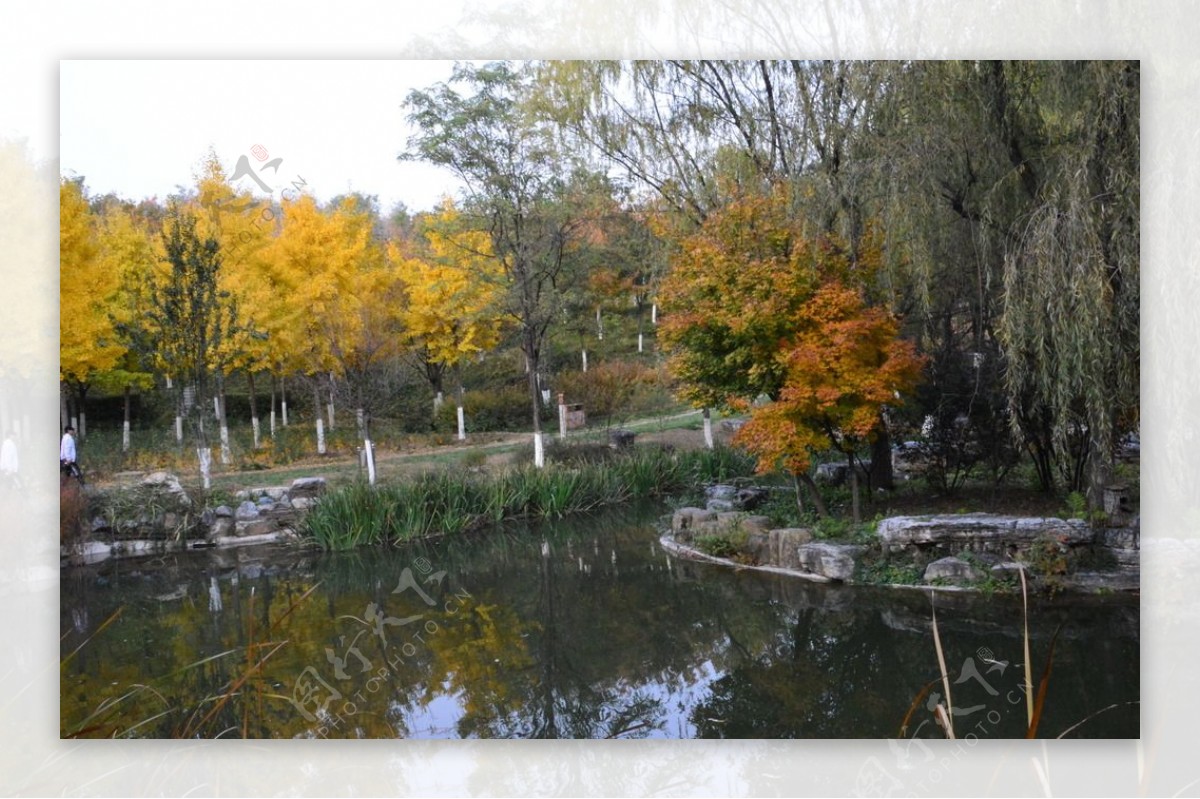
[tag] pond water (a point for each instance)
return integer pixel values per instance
(584, 628)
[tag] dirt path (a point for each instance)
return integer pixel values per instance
(498, 448)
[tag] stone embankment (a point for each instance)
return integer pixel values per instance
(972, 550)
(158, 515)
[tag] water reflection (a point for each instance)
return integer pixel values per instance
(586, 629)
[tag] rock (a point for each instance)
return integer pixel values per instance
(170, 521)
(221, 527)
(303, 503)
(732, 425)
(621, 439)
(955, 570)
(255, 527)
(688, 519)
(207, 517)
(754, 524)
(167, 483)
(247, 511)
(721, 492)
(1011, 568)
(223, 510)
(307, 487)
(835, 474)
(785, 544)
(979, 531)
(265, 501)
(751, 498)
(721, 505)
(758, 547)
(832, 561)
(99, 524)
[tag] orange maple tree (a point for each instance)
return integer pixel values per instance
(844, 362)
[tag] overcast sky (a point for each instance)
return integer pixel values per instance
(141, 128)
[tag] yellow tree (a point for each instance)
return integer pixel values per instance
(88, 345)
(243, 226)
(452, 296)
(129, 252)
(311, 268)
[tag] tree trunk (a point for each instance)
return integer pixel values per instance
(799, 493)
(253, 406)
(708, 431)
(882, 475)
(273, 405)
(125, 425)
(222, 421)
(462, 421)
(856, 509)
(815, 492)
(283, 399)
(599, 326)
(317, 416)
(329, 407)
(531, 369)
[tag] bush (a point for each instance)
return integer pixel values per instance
(502, 409)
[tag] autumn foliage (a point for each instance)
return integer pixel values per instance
(758, 306)
(844, 363)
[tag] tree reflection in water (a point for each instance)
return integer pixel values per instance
(579, 629)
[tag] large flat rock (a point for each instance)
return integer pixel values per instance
(969, 529)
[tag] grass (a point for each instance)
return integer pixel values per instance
(456, 502)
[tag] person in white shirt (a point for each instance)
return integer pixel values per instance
(66, 454)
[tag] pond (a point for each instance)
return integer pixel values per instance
(582, 628)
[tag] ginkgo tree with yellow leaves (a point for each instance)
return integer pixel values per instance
(452, 293)
(335, 304)
(88, 344)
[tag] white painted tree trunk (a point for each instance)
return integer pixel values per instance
(585, 360)
(599, 326)
(370, 452)
(360, 417)
(205, 456)
(539, 453)
(179, 428)
(708, 433)
(283, 407)
(641, 343)
(329, 412)
(225, 454)
(462, 424)
(125, 435)
(272, 419)
(546, 397)
(320, 435)
(654, 314)
(562, 421)
(438, 399)
(75, 424)
(254, 426)
(216, 407)
(283, 399)
(168, 381)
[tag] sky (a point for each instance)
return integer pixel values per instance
(141, 128)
